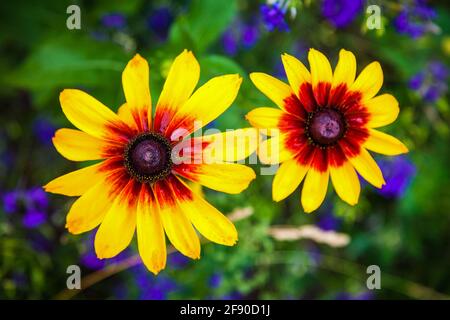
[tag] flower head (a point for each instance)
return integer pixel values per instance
(138, 184)
(160, 21)
(326, 124)
(341, 13)
(114, 20)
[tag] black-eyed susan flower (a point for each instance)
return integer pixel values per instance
(326, 125)
(138, 184)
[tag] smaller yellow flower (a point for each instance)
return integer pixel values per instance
(326, 124)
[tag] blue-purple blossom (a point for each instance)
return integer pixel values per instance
(215, 280)
(398, 173)
(415, 19)
(273, 16)
(431, 83)
(365, 295)
(44, 130)
(240, 36)
(340, 13)
(89, 257)
(160, 21)
(151, 287)
(114, 20)
(329, 222)
(177, 260)
(31, 203)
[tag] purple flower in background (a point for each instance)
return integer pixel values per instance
(151, 287)
(329, 222)
(160, 21)
(415, 19)
(32, 203)
(10, 201)
(398, 173)
(178, 261)
(44, 130)
(431, 83)
(215, 280)
(341, 13)
(240, 35)
(114, 20)
(33, 219)
(89, 257)
(365, 295)
(273, 16)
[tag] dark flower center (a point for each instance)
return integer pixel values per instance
(325, 126)
(148, 157)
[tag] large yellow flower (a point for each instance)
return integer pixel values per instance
(137, 184)
(326, 125)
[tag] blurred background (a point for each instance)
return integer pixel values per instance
(282, 252)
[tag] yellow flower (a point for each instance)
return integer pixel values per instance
(137, 184)
(326, 125)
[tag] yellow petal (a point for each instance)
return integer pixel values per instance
(320, 68)
(124, 113)
(368, 168)
(117, 228)
(232, 146)
(383, 110)
(271, 87)
(272, 151)
(150, 232)
(369, 81)
(383, 143)
(178, 228)
(314, 190)
(86, 113)
(77, 145)
(88, 211)
(296, 72)
(287, 179)
(345, 70)
(135, 82)
(212, 224)
(346, 182)
(76, 182)
(206, 104)
(180, 83)
(230, 178)
(264, 118)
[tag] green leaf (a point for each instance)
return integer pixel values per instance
(200, 27)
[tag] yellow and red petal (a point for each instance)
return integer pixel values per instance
(274, 150)
(230, 146)
(230, 178)
(383, 110)
(180, 83)
(314, 189)
(287, 179)
(369, 81)
(150, 231)
(383, 143)
(77, 145)
(117, 228)
(346, 182)
(206, 104)
(90, 115)
(77, 182)
(211, 223)
(88, 211)
(264, 118)
(272, 88)
(368, 168)
(321, 76)
(176, 224)
(296, 72)
(345, 70)
(135, 82)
